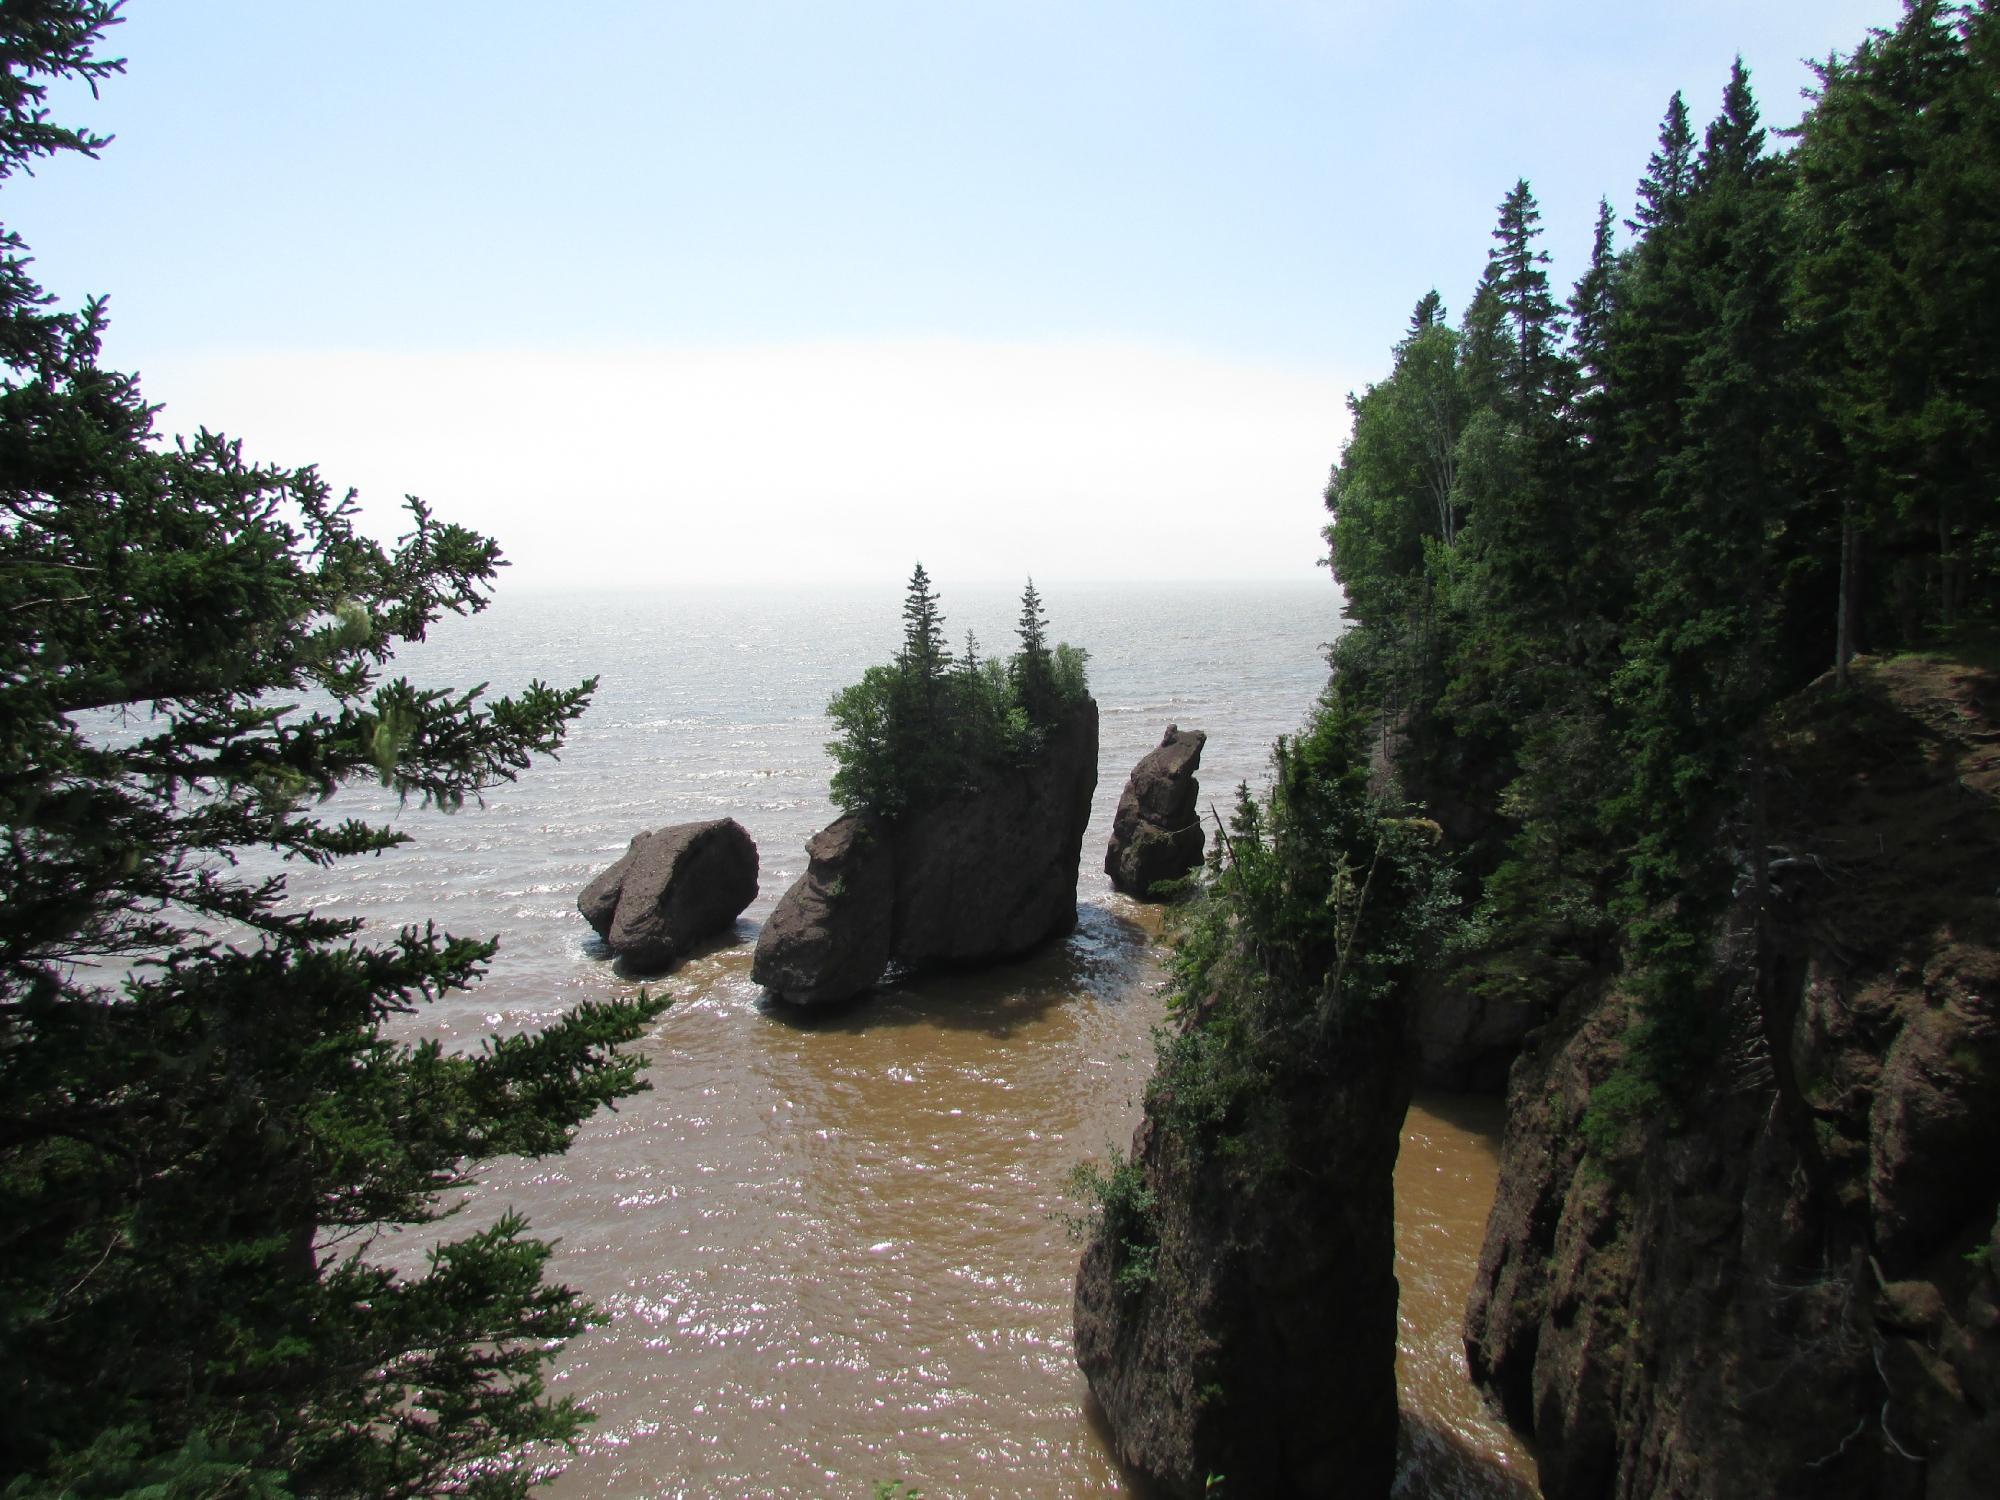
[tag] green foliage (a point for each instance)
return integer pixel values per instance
(1319, 902)
(201, 1139)
(925, 728)
(1120, 1206)
(1766, 443)
(1620, 1108)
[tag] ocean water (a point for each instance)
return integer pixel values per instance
(831, 1243)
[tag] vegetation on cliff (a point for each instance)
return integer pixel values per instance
(208, 1116)
(1584, 553)
(927, 725)
(1589, 549)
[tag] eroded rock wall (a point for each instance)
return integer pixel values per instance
(1261, 1347)
(1785, 1284)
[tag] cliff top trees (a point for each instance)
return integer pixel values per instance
(1768, 441)
(917, 731)
(198, 1139)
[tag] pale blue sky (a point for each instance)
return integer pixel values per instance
(768, 289)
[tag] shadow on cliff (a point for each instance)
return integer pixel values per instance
(1105, 956)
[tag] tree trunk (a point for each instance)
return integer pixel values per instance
(1843, 630)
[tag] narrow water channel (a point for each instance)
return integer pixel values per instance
(832, 1252)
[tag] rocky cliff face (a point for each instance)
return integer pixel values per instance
(974, 879)
(1788, 1286)
(1259, 1343)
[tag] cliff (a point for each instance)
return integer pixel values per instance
(1236, 1307)
(1784, 1283)
(1259, 1343)
(975, 878)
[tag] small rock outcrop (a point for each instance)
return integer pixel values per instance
(1157, 832)
(671, 888)
(974, 879)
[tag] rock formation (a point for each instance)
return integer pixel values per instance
(976, 878)
(1157, 833)
(1260, 1344)
(1466, 1039)
(830, 936)
(1790, 1285)
(671, 888)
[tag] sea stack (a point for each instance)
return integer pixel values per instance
(977, 878)
(1157, 835)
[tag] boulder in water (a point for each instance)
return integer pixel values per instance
(1157, 832)
(673, 887)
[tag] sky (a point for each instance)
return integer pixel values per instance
(751, 291)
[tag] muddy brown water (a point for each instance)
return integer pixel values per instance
(832, 1251)
(830, 1244)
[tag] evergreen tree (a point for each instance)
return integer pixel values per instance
(200, 1137)
(1429, 313)
(1522, 286)
(1591, 304)
(925, 729)
(1033, 667)
(925, 657)
(1721, 504)
(1669, 178)
(1896, 199)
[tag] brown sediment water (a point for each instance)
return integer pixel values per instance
(831, 1246)
(1445, 1178)
(829, 1243)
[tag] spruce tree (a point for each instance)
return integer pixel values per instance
(1897, 183)
(1033, 667)
(925, 657)
(1535, 325)
(1701, 659)
(200, 1137)
(1669, 178)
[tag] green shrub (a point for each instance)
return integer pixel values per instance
(1119, 1205)
(1618, 1110)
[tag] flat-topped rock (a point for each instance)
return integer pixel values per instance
(977, 878)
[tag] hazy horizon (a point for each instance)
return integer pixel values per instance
(763, 292)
